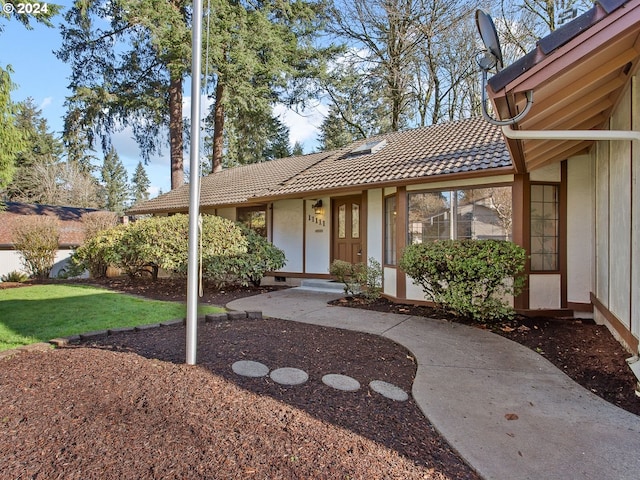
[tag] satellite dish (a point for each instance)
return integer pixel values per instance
(491, 42)
(492, 57)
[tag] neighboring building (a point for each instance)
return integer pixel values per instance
(573, 204)
(71, 233)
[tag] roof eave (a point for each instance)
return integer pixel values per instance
(576, 85)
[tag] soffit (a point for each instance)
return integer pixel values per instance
(578, 75)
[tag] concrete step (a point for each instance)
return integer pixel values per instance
(319, 285)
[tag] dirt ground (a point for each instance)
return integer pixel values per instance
(126, 406)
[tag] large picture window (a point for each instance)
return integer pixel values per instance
(478, 213)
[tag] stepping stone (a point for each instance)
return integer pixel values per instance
(389, 390)
(248, 368)
(289, 376)
(341, 382)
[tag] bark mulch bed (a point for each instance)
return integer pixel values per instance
(126, 406)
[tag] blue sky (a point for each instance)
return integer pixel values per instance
(40, 75)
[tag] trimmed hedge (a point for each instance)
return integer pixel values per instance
(467, 277)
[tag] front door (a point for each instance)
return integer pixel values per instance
(347, 228)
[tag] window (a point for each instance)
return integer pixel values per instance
(355, 220)
(254, 218)
(545, 224)
(479, 213)
(390, 230)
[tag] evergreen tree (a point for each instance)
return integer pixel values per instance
(128, 61)
(298, 149)
(260, 53)
(43, 149)
(114, 182)
(140, 184)
(254, 136)
(12, 141)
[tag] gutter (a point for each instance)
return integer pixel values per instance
(509, 132)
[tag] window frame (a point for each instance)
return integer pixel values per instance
(558, 229)
(454, 190)
(390, 235)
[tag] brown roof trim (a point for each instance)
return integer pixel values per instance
(553, 41)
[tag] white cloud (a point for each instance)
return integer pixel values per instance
(46, 102)
(304, 126)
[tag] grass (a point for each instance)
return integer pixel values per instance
(39, 313)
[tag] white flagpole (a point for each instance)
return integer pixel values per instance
(194, 185)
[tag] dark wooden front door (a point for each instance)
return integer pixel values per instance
(347, 228)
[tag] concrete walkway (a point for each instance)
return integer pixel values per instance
(509, 412)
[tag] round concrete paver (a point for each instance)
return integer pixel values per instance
(248, 368)
(289, 376)
(341, 382)
(389, 390)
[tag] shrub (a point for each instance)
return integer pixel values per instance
(36, 239)
(260, 257)
(359, 278)
(468, 277)
(346, 273)
(15, 277)
(97, 253)
(150, 244)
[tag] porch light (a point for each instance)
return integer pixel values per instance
(317, 207)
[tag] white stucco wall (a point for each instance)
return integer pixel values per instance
(317, 235)
(544, 291)
(580, 231)
(375, 217)
(228, 213)
(617, 219)
(389, 281)
(288, 225)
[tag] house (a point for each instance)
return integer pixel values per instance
(356, 203)
(71, 233)
(572, 204)
(580, 194)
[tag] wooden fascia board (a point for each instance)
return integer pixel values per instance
(579, 47)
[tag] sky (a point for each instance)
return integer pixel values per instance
(40, 75)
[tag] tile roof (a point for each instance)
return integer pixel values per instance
(448, 148)
(71, 228)
(231, 186)
(471, 145)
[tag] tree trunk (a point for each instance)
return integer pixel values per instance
(218, 129)
(175, 132)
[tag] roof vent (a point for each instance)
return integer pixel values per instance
(369, 147)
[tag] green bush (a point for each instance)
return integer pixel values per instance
(15, 277)
(359, 278)
(36, 240)
(260, 257)
(150, 244)
(467, 277)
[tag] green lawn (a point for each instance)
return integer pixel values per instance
(39, 313)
